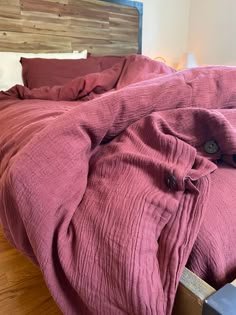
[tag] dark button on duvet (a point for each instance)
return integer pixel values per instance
(171, 182)
(211, 147)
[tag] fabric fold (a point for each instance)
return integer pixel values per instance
(108, 196)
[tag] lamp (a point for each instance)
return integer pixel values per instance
(188, 61)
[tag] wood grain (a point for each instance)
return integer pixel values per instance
(22, 288)
(66, 25)
(234, 282)
(191, 293)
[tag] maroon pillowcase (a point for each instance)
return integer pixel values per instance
(106, 61)
(37, 72)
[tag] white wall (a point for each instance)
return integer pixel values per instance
(212, 31)
(206, 27)
(165, 28)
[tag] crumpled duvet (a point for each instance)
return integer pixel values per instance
(108, 196)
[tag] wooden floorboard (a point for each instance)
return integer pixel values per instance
(22, 288)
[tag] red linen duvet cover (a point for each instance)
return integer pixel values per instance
(107, 192)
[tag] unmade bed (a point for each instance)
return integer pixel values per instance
(117, 174)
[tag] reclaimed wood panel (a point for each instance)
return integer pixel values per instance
(66, 25)
(10, 9)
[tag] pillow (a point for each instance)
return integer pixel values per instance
(11, 70)
(107, 61)
(38, 72)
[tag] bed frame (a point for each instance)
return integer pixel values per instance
(196, 297)
(103, 27)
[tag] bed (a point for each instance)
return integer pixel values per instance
(62, 26)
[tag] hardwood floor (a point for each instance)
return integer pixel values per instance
(22, 288)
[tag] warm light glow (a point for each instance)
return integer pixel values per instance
(188, 61)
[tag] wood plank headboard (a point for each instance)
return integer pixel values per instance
(102, 27)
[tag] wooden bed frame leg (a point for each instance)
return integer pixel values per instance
(196, 297)
(191, 294)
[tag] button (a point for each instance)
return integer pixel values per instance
(211, 147)
(171, 181)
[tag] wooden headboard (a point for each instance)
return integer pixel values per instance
(102, 27)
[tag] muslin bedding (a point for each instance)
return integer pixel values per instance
(106, 180)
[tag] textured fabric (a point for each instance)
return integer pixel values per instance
(39, 72)
(213, 257)
(50, 72)
(108, 196)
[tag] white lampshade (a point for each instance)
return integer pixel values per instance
(188, 61)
